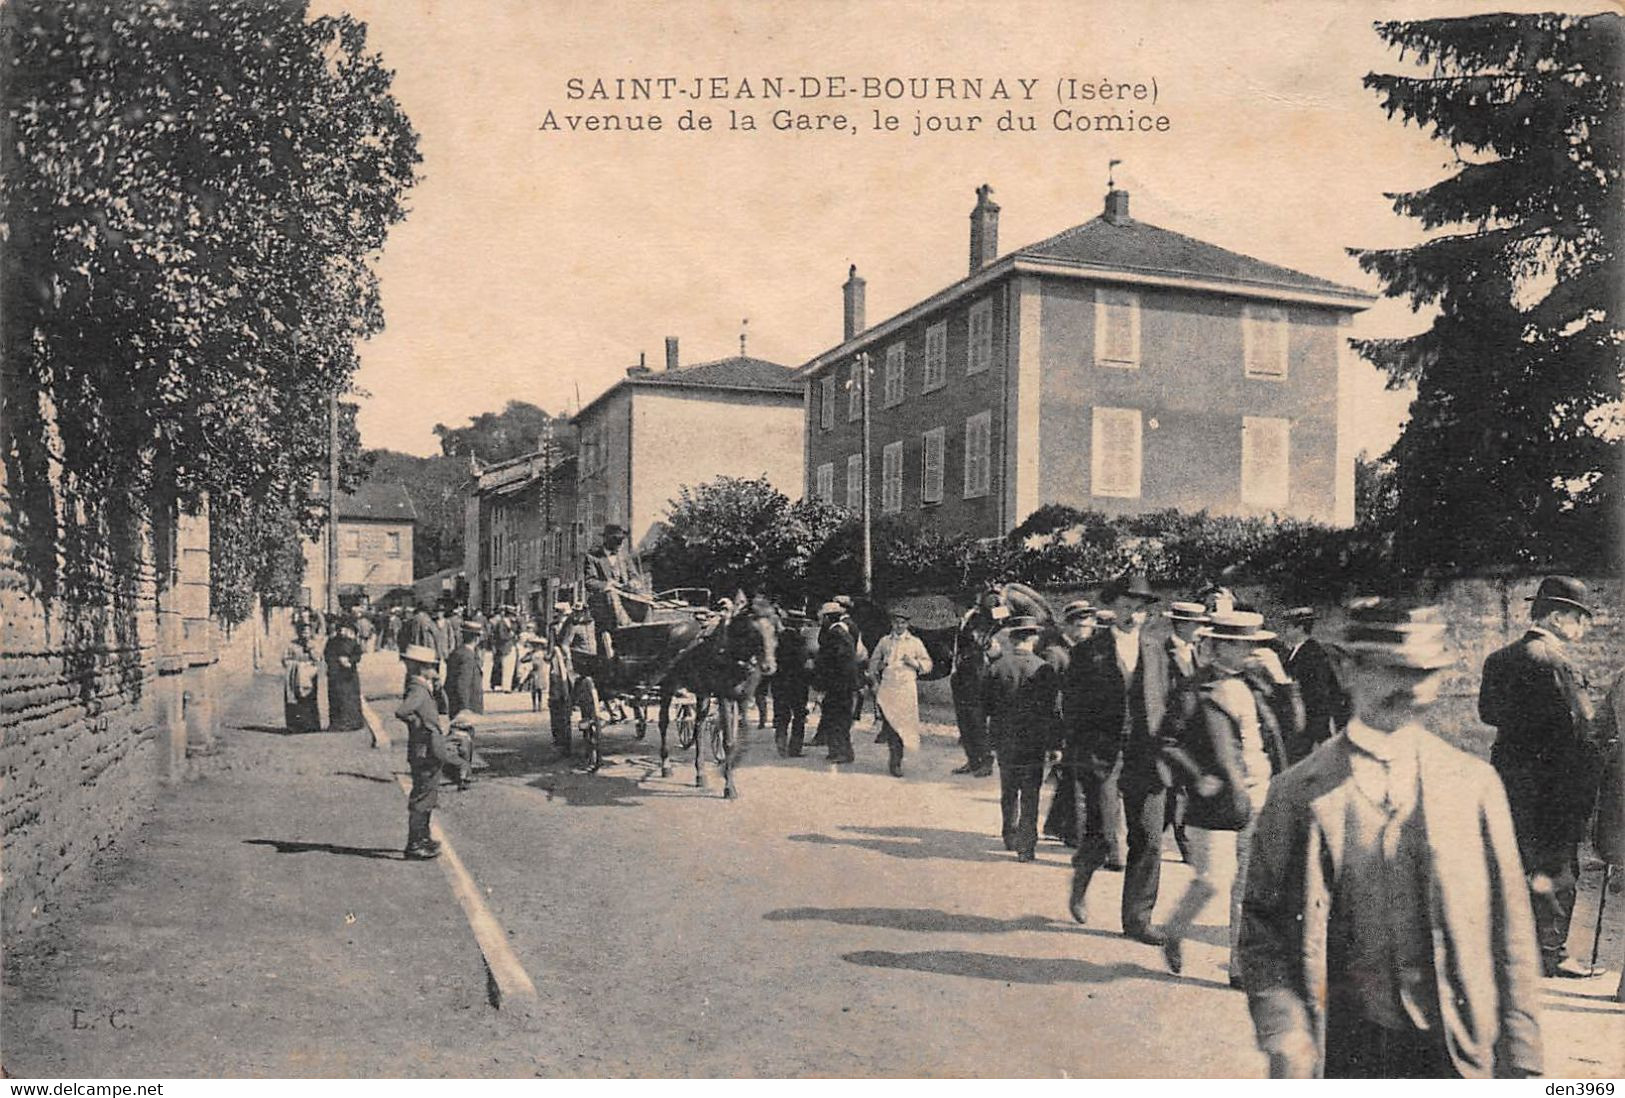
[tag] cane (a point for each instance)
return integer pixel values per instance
(1602, 902)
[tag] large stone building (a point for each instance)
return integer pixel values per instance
(375, 526)
(655, 431)
(521, 537)
(1116, 366)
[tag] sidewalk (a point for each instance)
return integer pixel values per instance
(262, 923)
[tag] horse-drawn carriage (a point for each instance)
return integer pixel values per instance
(677, 653)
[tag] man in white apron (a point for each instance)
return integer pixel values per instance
(898, 661)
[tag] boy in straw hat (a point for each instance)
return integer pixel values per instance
(425, 747)
(1386, 929)
(1536, 699)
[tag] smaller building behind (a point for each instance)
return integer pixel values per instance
(375, 525)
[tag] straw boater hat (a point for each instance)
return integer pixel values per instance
(1299, 615)
(419, 653)
(1078, 610)
(1186, 611)
(831, 607)
(1397, 634)
(1023, 624)
(1236, 625)
(473, 628)
(1562, 592)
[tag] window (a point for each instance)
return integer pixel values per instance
(350, 542)
(896, 364)
(854, 391)
(1114, 460)
(891, 478)
(392, 545)
(979, 342)
(935, 445)
(936, 357)
(854, 482)
(978, 454)
(1264, 341)
(824, 483)
(826, 403)
(1265, 446)
(1117, 328)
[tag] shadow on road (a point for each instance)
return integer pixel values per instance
(287, 846)
(363, 777)
(1015, 970)
(914, 842)
(921, 919)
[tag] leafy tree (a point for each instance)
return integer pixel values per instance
(731, 532)
(1503, 458)
(438, 487)
(493, 437)
(193, 199)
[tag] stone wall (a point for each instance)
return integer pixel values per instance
(103, 688)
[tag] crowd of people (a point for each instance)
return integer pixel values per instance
(1392, 901)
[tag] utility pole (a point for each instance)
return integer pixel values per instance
(868, 547)
(332, 505)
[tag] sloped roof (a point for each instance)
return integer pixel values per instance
(374, 501)
(1126, 250)
(1141, 246)
(741, 373)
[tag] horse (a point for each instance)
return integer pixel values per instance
(722, 666)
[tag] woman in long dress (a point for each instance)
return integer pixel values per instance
(299, 675)
(343, 658)
(899, 660)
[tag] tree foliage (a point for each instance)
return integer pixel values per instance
(1503, 458)
(193, 200)
(493, 437)
(438, 487)
(730, 532)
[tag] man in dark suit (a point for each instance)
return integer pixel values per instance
(837, 671)
(1536, 699)
(1019, 695)
(1325, 703)
(1113, 703)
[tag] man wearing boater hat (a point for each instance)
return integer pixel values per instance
(1386, 928)
(1536, 699)
(1113, 702)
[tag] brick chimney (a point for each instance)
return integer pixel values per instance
(671, 352)
(1117, 206)
(984, 230)
(852, 294)
(641, 368)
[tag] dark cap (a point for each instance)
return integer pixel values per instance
(614, 528)
(1299, 615)
(1129, 585)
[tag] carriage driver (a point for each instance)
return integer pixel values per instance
(610, 571)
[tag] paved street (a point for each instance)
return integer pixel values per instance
(831, 923)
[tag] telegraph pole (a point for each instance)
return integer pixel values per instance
(868, 547)
(332, 505)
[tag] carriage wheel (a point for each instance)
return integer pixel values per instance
(713, 722)
(683, 715)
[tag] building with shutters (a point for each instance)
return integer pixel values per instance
(375, 525)
(1116, 367)
(522, 539)
(656, 431)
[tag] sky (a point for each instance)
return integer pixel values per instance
(537, 265)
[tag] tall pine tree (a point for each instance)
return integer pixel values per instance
(1511, 452)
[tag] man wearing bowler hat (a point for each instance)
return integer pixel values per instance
(1113, 703)
(1386, 929)
(1536, 699)
(610, 572)
(1061, 822)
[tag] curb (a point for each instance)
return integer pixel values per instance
(508, 984)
